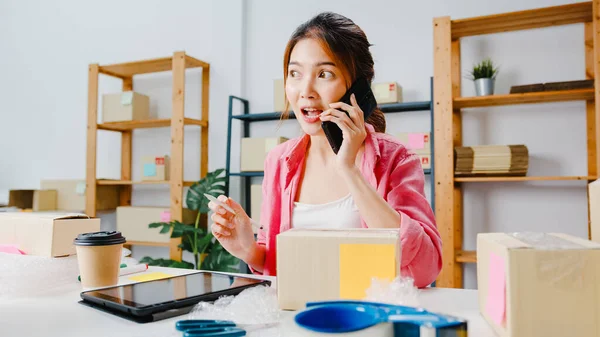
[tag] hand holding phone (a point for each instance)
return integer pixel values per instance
(365, 98)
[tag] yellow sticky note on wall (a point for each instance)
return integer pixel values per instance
(359, 263)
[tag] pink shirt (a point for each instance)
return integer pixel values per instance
(390, 168)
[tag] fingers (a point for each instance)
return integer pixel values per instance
(219, 231)
(339, 118)
(221, 220)
(354, 110)
(216, 208)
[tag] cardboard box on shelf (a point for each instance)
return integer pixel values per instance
(278, 95)
(346, 261)
(255, 201)
(425, 161)
(387, 92)
(45, 234)
(418, 142)
(125, 106)
(155, 168)
(254, 152)
(539, 284)
(34, 200)
(71, 195)
(133, 221)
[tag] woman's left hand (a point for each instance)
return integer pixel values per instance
(353, 130)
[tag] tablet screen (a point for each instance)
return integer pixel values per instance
(170, 289)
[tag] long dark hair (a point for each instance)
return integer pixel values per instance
(346, 44)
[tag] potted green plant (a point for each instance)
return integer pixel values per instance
(484, 76)
(206, 249)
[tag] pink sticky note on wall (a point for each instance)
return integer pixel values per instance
(416, 141)
(496, 294)
(11, 249)
(165, 216)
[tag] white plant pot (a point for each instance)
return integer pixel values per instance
(484, 86)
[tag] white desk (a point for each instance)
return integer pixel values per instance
(59, 314)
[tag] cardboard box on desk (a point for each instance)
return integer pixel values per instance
(71, 195)
(254, 152)
(45, 234)
(319, 265)
(34, 200)
(539, 284)
(125, 106)
(133, 221)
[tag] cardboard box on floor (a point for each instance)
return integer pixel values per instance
(45, 234)
(254, 152)
(539, 284)
(133, 221)
(71, 195)
(319, 265)
(34, 200)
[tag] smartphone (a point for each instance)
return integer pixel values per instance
(365, 98)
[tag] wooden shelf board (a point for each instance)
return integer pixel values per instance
(128, 69)
(521, 20)
(129, 182)
(144, 124)
(524, 98)
(144, 243)
(191, 62)
(526, 178)
(466, 256)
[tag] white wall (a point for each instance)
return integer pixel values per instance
(47, 46)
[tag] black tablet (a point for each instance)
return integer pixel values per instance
(148, 301)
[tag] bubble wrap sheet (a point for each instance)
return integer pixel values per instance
(255, 310)
(26, 276)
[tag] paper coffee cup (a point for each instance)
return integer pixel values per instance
(99, 257)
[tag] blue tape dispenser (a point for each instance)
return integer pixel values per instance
(350, 316)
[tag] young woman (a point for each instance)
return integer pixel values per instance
(372, 182)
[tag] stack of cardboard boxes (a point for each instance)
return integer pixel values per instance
(419, 143)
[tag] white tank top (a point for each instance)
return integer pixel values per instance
(341, 213)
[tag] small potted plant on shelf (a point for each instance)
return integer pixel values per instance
(484, 76)
(207, 251)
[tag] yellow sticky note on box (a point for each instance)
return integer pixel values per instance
(360, 263)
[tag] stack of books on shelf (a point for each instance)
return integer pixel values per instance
(491, 160)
